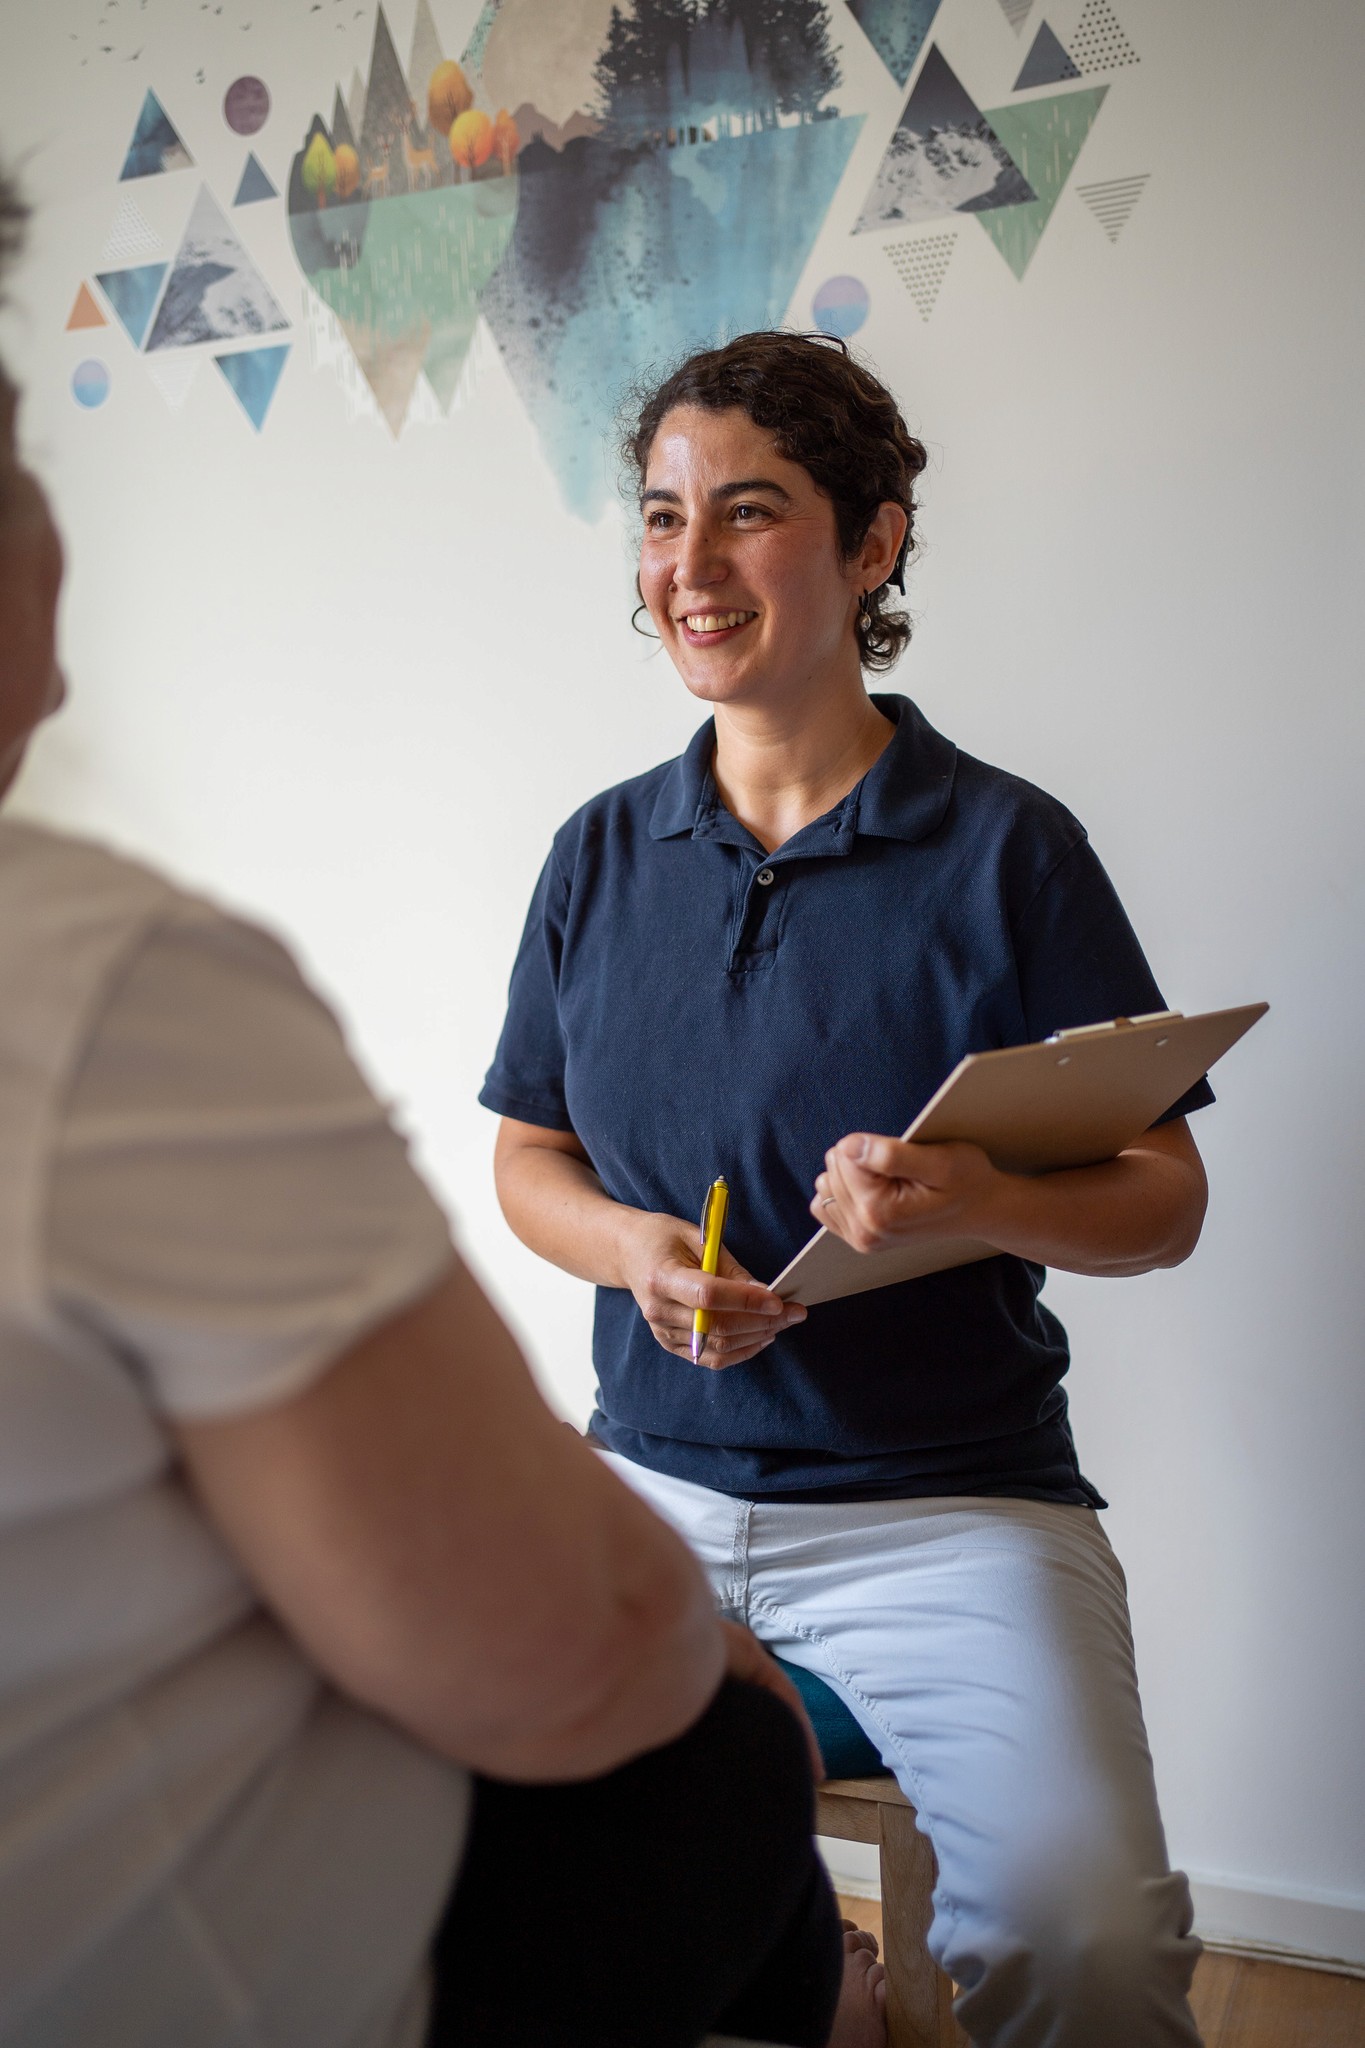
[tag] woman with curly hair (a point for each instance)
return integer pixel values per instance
(759, 959)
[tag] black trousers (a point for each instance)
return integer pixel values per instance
(677, 1896)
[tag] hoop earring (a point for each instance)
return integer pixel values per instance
(640, 629)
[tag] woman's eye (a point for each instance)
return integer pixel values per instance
(747, 514)
(659, 522)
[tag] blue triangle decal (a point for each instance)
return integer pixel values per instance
(133, 294)
(255, 184)
(155, 146)
(896, 30)
(253, 374)
(1047, 63)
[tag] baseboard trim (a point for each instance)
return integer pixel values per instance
(1316, 1930)
(1322, 1930)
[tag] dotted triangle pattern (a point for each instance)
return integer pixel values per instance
(1016, 12)
(1113, 201)
(1099, 44)
(131, 236)
(920, 265)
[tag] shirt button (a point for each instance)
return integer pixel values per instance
(763, 877)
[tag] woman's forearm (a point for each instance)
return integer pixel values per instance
(557, 1206)
(1133, 1214)
(1139, 1211)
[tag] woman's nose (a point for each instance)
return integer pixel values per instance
(700, 559)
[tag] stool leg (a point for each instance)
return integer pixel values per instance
(919, 1997)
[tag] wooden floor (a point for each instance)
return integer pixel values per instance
(1244, 2004)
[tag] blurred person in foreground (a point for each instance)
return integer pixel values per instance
(347, 1700)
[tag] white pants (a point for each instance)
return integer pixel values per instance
(985, 1647)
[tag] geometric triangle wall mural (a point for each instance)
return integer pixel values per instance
(1044, 137)
(1047, 63)
(84, 311)
(132, 294)
(254, 184)
(253, 374)
(945, 157)
(1099, 44)
(214, 292)
(567, 203)
(1112, 201)
(920, 265)
(896, 30)
(156, 146)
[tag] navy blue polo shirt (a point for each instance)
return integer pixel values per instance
(690, 1005)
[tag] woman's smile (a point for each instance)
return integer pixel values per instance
(707, 629)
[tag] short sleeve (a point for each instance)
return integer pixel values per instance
(230, 1206)
(526, 1079)
(1079, 960)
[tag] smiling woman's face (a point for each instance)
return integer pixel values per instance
(740, 565)
(30, 580)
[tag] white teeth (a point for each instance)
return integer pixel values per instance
(716, 622)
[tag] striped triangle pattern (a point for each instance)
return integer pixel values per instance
(921, 265)
(1016, 12)
(1113, 200)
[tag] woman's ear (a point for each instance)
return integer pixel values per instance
(880, 550)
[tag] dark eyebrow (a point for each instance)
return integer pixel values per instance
(736, 490)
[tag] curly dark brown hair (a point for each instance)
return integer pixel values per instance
(825, 410)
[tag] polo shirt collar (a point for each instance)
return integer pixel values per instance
(903, 795)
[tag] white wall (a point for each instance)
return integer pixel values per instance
(353, 685)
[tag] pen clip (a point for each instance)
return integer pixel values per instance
(706, 1212)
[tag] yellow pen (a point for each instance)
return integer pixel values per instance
(712, 1230)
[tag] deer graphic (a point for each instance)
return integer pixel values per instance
(377, 180)
(420, 162)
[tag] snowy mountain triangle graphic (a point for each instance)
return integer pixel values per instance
(214, 292)
(944, 157)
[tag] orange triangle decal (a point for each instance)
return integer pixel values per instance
(85, 313)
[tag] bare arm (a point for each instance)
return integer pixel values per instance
(1142, 1210)
(556, 1204)
(455, 1557)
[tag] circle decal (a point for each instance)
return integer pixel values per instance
(841, 306)
(246, 105)
(90, 383)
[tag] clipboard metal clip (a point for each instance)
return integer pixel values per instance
(1113, 1024)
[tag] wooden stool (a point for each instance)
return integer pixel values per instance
(919, 1997)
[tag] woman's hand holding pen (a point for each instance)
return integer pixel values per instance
(662, 1261)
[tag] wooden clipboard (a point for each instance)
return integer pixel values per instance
(1071, 1100)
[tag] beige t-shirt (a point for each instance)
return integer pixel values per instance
(201, 1206)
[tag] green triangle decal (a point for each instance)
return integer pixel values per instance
(1044, 137)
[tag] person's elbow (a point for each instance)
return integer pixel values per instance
(562, 1683)
(1186, 1210)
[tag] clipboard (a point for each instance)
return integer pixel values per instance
(1075, 1099)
